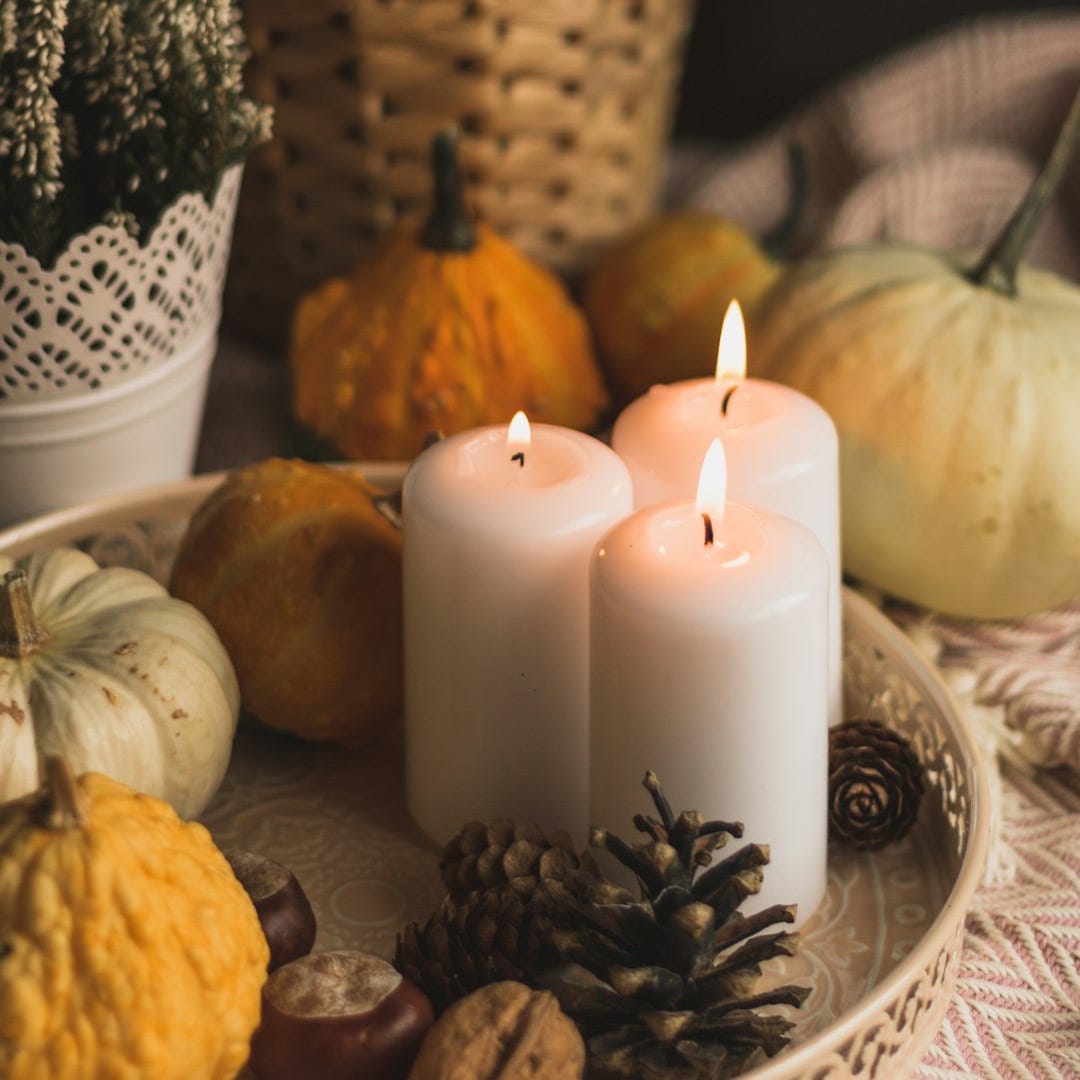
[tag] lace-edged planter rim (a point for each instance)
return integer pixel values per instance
(337, 818)
(105, 357)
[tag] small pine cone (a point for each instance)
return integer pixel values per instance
(875, 784)
(487, 937)
(506, 853)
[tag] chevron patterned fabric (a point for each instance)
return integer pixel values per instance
(1016, 1010)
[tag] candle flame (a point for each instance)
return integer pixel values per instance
(518, 438)
(519, 434)
(731, 353)
(712, 485)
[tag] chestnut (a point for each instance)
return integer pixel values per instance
(283, 909)
(338, 1016)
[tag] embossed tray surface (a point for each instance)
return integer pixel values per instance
(880, 954)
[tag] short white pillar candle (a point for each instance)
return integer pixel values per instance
(499, 525)
(708, 650)
(782, 454)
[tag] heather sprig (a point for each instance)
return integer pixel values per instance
(110, 109)
(31, 55)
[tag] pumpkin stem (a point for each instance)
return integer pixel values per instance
(21, 634)
(777, 240)
(448, 228)
(64, 805)
(997, 268)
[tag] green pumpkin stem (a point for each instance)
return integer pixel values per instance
(21, 635)
(63, 805)
(777, 241)
(997, 268)
(448, 228)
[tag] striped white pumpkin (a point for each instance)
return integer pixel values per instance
(127, 681)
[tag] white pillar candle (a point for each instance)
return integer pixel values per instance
(781, 447)
(498, 530)
(708, 667)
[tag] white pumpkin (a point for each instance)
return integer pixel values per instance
(956, 394)
(959, 418)
(106, 669)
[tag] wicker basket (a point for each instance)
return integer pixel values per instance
(564, 108)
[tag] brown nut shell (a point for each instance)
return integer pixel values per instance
(504, 1031)
(338, 1016)
(283, 908)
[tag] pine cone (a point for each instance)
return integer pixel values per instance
(486, 937)
(517, 855)
(875, 784)
(660, 983)
(662, 986)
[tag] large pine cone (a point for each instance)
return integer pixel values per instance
(662, 986)
(506, 853)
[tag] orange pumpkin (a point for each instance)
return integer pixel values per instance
(300, 575)
(656, 299)
(445, 328)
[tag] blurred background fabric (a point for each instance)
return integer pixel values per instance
(749, 65)
(933, 145)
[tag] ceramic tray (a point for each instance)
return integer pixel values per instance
(880, 954)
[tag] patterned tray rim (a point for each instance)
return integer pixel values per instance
(817, 1055)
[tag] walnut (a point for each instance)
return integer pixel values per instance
(504, 1030)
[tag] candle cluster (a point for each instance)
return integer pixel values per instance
(559, 642)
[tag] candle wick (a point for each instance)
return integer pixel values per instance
(708, 529)
(727, 399)
(519, 457)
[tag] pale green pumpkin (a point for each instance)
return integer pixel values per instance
(956, 393)
(105, 669)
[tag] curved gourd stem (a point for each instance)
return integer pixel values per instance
(777, 240)
(448, 228)
(63, 804)
(21, 635)
(997, 268)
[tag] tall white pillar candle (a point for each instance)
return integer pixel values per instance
(781, 447)
(707, 666)
(498, 530)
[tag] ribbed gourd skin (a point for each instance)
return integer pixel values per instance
(128, 681)
(129, 949)
(415, 341)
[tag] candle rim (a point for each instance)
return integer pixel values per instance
(598, 472)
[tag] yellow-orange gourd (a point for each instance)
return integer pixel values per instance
(444, 328)
(300, 574)
(656, 299)
(128, 949)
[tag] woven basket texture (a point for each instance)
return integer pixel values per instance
(564, 108)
